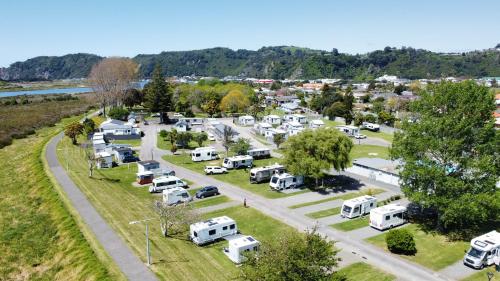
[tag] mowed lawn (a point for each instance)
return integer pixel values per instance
(385, 136)
(433, 250)
(369, 151)
(133, 143)
(481, 275)
(324, 213)
(166, 145)
(352, 224)
(239, 177)
(346, 196)
(361, 271)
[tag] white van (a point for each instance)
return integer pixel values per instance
(285, 181)
(204, 154)
(388, 216)
(483, 250)
(358, 206)
(166, 182)
(237, 246)
(212, 229)
(176, 195)
(240, 161)
(259, 153)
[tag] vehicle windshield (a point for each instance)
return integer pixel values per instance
(252, 174)
(347, 209)
(274, 179)
(476, 253)
(225, 161)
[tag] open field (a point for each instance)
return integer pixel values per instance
(39, 238)
(433, 250)
(364, 150)
(385, 136)
(369, 191)
(352, 224)
(361, 271)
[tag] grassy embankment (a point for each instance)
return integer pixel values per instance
(39, 237)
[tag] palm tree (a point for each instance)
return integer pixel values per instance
(227, 138)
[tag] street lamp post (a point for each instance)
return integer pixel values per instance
(148, 252)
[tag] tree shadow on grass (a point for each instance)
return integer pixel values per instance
(335, 184)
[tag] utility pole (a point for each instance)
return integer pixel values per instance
(148, 252)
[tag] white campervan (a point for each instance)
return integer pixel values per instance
(176, 195)
(240, 161)
(212, 229)
(238, 246)
(285, 181)
(166, 182)
(204, 154)
(370, 126)
(388, 216)
(358, 206)
(259, 153)
(483, 250)
(262, 174)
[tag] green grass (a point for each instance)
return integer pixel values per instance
(40, 239)
(333, 124)
(364, 150)
(350, 195)
(135, 142)
(481, 275)
(174, 258)
(165, 145)
(238, 177)
(361, 271)
(381, 135)
(433, 250)
(215, 200)
(352, 224)
(324, 213)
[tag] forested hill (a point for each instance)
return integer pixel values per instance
(278, 63)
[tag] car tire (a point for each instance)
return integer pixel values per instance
(217, 193)
(211, 173)
(203, 196)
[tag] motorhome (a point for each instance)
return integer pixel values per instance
(388, 216)
(239, 245)
(370, 126)
(204, 154)
(263, 174)
(212, 230)
(259, 153)
(483, 250)
(358, 206)
(176, 195)
(240, 161)
(166, 182)
(285, 181)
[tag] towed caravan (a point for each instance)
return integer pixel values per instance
(285, 181)
(237, 246)
(483, 250)
(176, 195)
(388, 216)
(259, 153)
(358, 206)
(166, 182)
(212, 229)
(370, 126)
(262, 174)
(240, 161)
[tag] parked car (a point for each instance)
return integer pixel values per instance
(211, 137)
(207, 191)
(146, 122)
(210, 170)
(360, 136)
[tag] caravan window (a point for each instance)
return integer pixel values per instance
(195, 234)
(224, 228)
(398, 215)
(232, 226)
(185, 195)
(371, 204)
(294, 179)
(387, 218)
(211, 232)
(356, 210)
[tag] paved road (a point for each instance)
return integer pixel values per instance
(132, 267)
(352, 248)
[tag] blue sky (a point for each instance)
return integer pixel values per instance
(127, 28)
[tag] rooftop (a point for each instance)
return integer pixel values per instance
(379, 164)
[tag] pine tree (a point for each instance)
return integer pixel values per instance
(158, 95)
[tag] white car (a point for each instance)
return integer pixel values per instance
(211, 137)
(178, 115)
(210, 170)
(360, 136)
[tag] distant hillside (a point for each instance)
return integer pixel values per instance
(278, 63)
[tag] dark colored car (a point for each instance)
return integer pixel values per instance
(207, 191)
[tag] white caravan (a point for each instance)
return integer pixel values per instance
(212, 229)
(240, 161)
(176, 195)
(358, 206)
(285, 181)
(388, 216)
(238, 245)
(483, 250)
(259, 153)
(166, 182)
(370, 126)
(204, 154)
(262, 174)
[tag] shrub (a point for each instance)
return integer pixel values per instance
(400, 241)
(119, 113)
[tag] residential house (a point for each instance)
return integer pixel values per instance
(246, 120)
(261, 128)
(118, 128)
(181, 126)
(269, 134)
(103, 160)
(295, 117)
(123, 154)
(272, 119)
(318, 123)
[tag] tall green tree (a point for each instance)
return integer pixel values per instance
(200, 138)
(227, 138)
(73, 130)
(158, 95)
(451, 156)
(348, 101)
(241, 146)
(310, 153)
(278, 139)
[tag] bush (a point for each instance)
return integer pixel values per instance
(119, 113)
(400, 241)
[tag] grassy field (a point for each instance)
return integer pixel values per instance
(324, 213)
(350, 195)
(119, 202)
(381, 135)
(352, 224)
(238, 177)
(136, 142)
(165, 145)
(481, 275)
(215, 200)
(361, 271)
(39, 237)
(433, 250)
(364, 150)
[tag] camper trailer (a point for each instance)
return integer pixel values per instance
(240, 161)
(238, 245)
(145, 177)
(285, 181)
(349, 130)
(204, 154)
(176, 195)
(358, 206)
(483, 250)
(388, 216)
(104, 160)
(259, 153)
(166, 182)
(263, 174)
(370, 126)
(212, 229)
